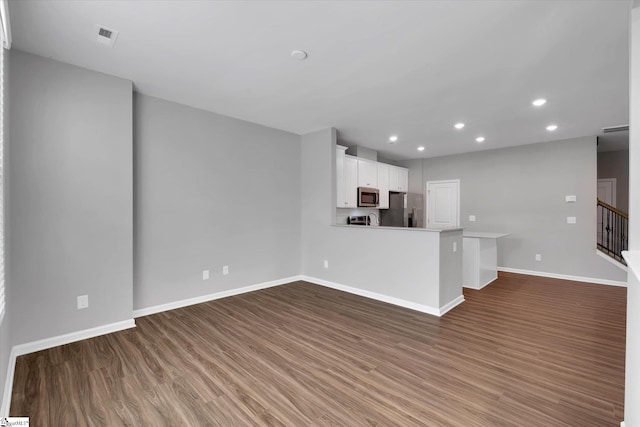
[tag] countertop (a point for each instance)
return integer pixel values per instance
(382, 227)
(483, 235)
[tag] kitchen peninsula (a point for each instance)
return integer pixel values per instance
(431, 279)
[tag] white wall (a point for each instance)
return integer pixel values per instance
(70, 190)
(211, 191)
(521, 190)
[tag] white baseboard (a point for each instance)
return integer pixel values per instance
(210, 297)
(480, 286)
(8, 384)
(385, 298)
(563, 276)
(451, 304)
(30, 347)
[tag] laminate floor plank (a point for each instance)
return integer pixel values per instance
(523, 351)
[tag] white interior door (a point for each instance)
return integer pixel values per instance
(607, 191)
(443, 204)
(607, 194)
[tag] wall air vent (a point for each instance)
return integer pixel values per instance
(619, 128)
(106, 36)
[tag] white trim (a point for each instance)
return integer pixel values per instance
(451, 304)
(563, 276)
(481, 286)
(30, 347)
(8, 384)
(210, 297)
(84, 334)
(385, 298)
(611, 260)
(621, 423)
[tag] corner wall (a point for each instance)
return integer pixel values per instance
(211, 191)
(521, 191)
(70, 216)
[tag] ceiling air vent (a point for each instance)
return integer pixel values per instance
(106, 36)
(615, 128)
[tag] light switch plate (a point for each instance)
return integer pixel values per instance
(571, 220)
(570, 199)
(326, 263)
(538, 257)
(225, 270)
(472, 218)
(205, 274)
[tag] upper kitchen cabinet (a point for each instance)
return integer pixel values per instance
(367, 173)
(398, 179)
(351, 182)
(340, 177)
(346, 179)
(403, 180)
(383, 185)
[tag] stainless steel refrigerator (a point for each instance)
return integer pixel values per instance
(396, 215)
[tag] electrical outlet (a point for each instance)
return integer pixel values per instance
(570, 198)
(225, 270)
(472, 218)
(538, 257)
(205, 274)
(326, 263)
(455, 246)
(83, 302)
(571, 220)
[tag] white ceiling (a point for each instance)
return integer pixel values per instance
(375, 68)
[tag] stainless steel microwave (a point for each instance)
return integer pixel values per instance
(368, 197)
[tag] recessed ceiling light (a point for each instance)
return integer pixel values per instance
(551, 128)
(421, 148)
(459, 125)
(299, 54)
(539, 102)
(393, 138)
(480, 139)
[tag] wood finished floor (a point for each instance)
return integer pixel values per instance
(524, 351)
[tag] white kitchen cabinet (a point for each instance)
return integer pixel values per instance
(367, 173)
(346, 179)
(383, 185)
(403, 180)
(398, 179)
(340, 176)
(351, 182)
